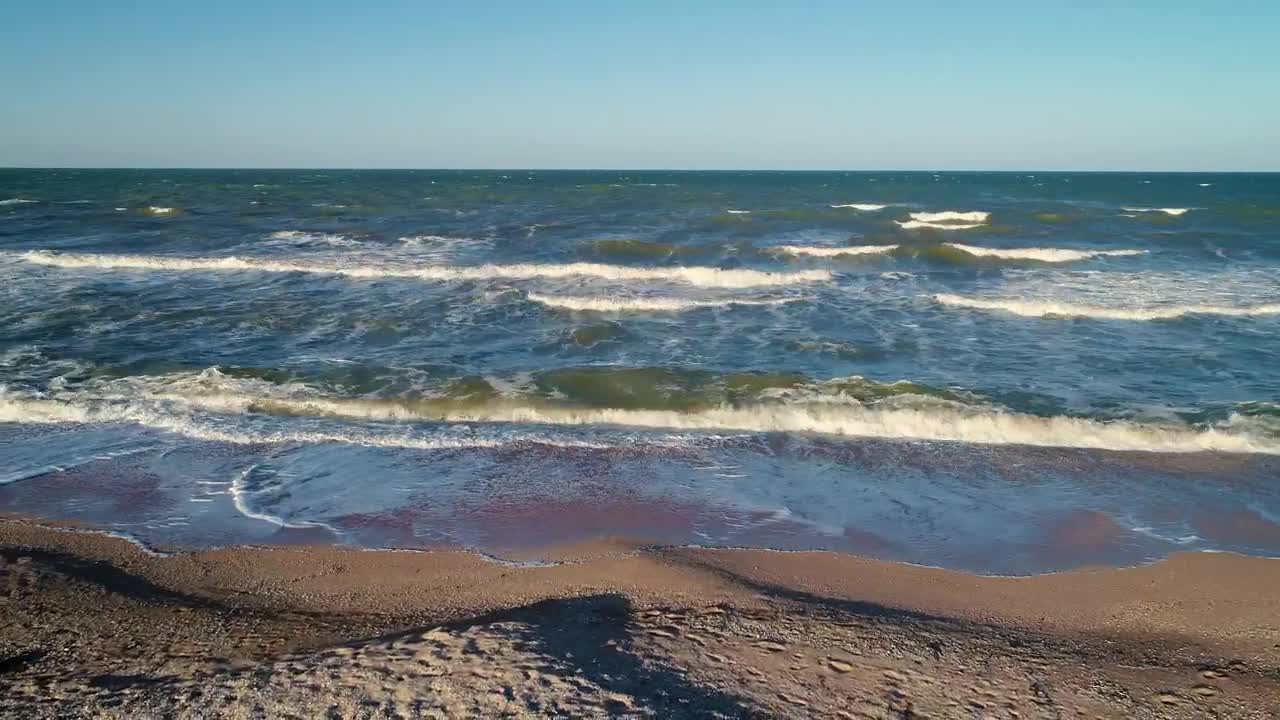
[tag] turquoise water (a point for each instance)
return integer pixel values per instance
(1001, 372)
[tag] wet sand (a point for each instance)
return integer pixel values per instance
(93, 625)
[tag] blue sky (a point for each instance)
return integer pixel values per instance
(655, 84)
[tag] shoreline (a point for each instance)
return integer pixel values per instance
(1194, 633)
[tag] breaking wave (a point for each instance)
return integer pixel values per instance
(1029, 308)
(641, 304)
(1049, 255)
(849, 407)
(974, 216)
(864, 207)
(16, 201)
(1167, 211)
(918, 224)
(823, 251)
(299, 237)
(701, 276)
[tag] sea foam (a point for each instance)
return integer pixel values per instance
(642, 304)
(823, 251)
(1167, 211)
(1032, 308)
(701, 276)
(864, 207)
(834, 415)
(973, 216)
(1049, 255)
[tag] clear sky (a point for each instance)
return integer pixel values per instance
(1132, 84)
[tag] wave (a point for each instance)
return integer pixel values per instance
(1167, 211)
(159, 210)
(60, 412)
(974, 216)
(1049, 255)
(16, 201)
(738, 212)
(864, 207)
(658, 304)
(1061, 309)
(918, 224)
(822, 251)
(299, 237)
(777, 402)
(700, 276)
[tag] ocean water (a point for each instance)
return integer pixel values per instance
(997, 372)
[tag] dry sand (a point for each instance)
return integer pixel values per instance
(91, 625)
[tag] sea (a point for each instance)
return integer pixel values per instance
(1001, 373)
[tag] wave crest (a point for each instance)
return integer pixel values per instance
(823, 251)
(1031, 308)
(641, 304)
(701, 276)
(1049, 255)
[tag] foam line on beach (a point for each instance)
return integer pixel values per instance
(1034, 308)
(700, 276)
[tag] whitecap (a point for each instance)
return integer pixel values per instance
(738, 212)
(300, 237)
(642, 304)
(1049, 255)
(973, 216)
(864, 207)
(701, 276)
(823, 251)
(917, 224)
(1167, 211)
(1033, 308)
(16, 201)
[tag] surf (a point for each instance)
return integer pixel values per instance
(700, 276)
(1049, 309)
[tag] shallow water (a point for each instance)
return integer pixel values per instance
(997, 372)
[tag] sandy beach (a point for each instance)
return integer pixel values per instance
(94, 625)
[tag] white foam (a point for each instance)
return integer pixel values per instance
(239, 498)
(833, 415)
(822, 251)
(738, 212)
(701, 276)
(1205, 184)
(917, 224)
(1028, 308)
(58, 412)
(642, 304)
(1042, 254)
(157, 210)
(1167, 211)
(166, 404)
(864, 207)
(16, 201)
(973, 216)
(299, 237)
